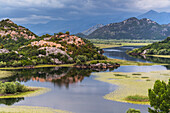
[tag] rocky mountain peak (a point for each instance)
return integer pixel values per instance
(148, 21)
(9, 21)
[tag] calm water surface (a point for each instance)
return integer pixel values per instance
(76, 90)
(120, 53)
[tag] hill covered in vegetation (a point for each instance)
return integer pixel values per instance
(21, 47)
(157, 48)
(132, 28)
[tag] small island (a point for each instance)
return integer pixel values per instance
(16, 90)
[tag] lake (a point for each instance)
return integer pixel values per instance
(76, 90)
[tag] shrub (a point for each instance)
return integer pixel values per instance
(131, 110)
(78, 62)
(2, 88)
(93, 62)
(67, 32)
(20, 87)
(10, 88)
(82, 58)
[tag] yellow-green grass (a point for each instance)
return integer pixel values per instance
(102, 46)
(4, 74)
(131, 84)
(35, 92)
(38, 66)
(29, 109)
(161, 56)
(126, 62)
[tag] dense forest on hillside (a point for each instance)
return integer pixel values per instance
(157, 48)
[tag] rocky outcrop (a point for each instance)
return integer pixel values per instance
(42, 43)
(4, 51)
(98, 66)
(55, 51)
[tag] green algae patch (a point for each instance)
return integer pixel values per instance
(29, 109)
(134, 84)
(33, 91)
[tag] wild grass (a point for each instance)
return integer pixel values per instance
(131, 86)
(29, 109)
(126, 63)
(144, 77)
(104, 43)
(136, 74)
(4, 74)
(137, 98)
(38, 66)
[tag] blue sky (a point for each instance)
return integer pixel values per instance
(43, 11)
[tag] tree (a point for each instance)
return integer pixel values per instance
(131, 110)
(67, 32)
(82, 58)
(159, 97)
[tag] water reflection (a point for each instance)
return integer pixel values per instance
(10, 101)
(120, 53)
(59, 76)
(155, 59)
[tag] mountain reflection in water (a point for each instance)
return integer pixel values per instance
(60, 76)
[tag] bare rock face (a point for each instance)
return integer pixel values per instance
(55, 51)
(4, 51)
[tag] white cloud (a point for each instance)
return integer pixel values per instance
(33, 3)
(152, 4)
(34, 19)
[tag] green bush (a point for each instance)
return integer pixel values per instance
(2, 88)
(10, 88)
(131, 110)
(20, 87)
(82, 58)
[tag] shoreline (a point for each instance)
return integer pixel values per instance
(104, 46)
(37, 91)
(121, 62)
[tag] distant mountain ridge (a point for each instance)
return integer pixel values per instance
(92, 29)
(82, 24)
(132, 28)
(161, 18)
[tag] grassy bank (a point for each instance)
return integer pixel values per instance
(121, 62)
(38, 66)
(104, 43)
(126, 62)
(4, 74)
(29, 109)
(102, 46)
(131, 84)
(34, 91)
(161, 56)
